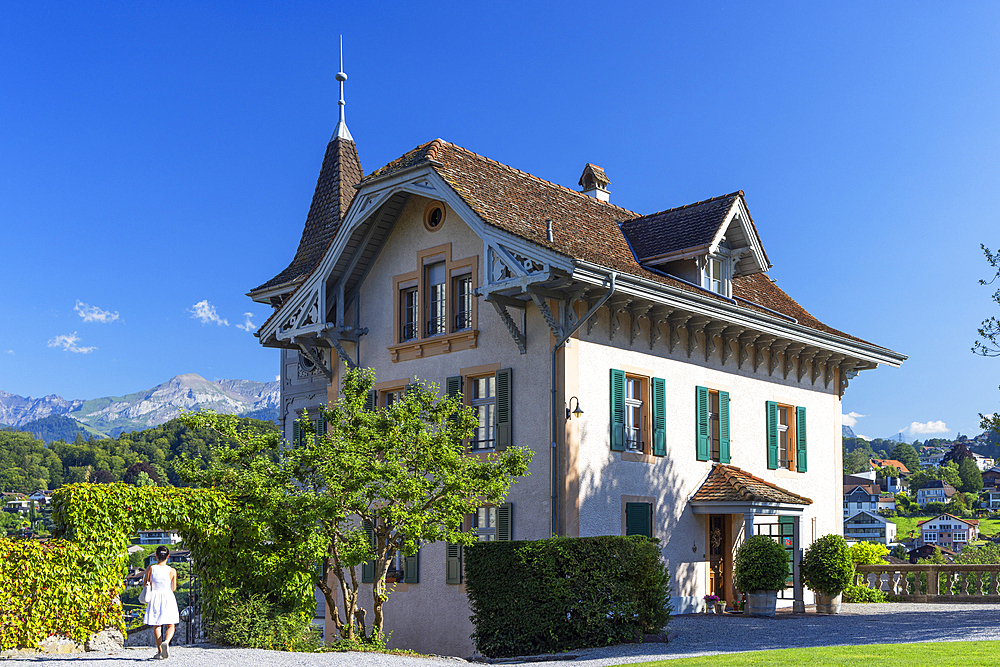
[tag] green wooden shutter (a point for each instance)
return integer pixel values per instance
(659, 417)
(617, 410)
(638, 519)
(411, 569)
(772, 435)
(454, 570)
(452, 387)
(320, 426)
(800, 437)
(296, 433)
(505, 408)
(368, 567)
(723, 427)
(505, 515)
(703, 432)
(371, 401)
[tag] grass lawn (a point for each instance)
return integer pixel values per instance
(904, 524)
(939, 654)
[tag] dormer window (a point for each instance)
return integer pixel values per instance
(713, 276)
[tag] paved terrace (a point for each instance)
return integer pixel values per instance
(699, 634)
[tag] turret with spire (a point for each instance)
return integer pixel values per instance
(335, 187)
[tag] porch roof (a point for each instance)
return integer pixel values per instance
(729, 485)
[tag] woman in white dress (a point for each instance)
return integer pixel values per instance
(161, 607)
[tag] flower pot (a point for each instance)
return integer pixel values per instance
(709, 609)
(761, 603)
(828, 604)
(720, 607)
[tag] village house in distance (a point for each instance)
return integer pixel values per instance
(694, 401)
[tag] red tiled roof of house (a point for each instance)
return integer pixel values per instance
(729, 483)
(971, 522)
(881, 463)
(584, 228)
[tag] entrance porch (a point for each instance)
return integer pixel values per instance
(737, 506)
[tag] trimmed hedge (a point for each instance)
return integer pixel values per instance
(545, 596)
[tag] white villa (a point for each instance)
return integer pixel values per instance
(949, 531)
(869, 527)
(711, 400)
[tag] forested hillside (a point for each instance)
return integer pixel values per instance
(27, 464)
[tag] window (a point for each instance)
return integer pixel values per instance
(713, 275)
(409, 307)
(782, 436)
(638, 406)
(786, 440)
(434, 310)
(463, 302)
(930, 537)
(484, 524)
(633, 414)
(436, 302)
(713, 424)
(389, 398)
(484, 403)
(639, 519)
(491, 398)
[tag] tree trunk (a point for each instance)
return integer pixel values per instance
(331, 600)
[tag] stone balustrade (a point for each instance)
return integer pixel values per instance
(933, 583)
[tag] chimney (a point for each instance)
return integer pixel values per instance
(595, 182)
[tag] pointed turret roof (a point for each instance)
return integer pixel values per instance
(335, 188)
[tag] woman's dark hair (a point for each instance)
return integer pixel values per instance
(162, 554)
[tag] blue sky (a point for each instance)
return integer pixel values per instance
(154, 158)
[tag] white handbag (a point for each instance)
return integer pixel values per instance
(146, 593)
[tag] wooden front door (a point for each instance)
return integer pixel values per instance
(718, 547)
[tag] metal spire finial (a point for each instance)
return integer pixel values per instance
(341, 129)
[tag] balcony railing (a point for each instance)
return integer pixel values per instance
(933, 583)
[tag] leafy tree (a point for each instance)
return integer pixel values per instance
(971, 475)
(988, 344)
(958, 453)
(984, 554)
(402, 472)
(935, 508)
(868, 553)
(936, 558)
(907, 455)
(136, 470)
(856, 461)
(143, 479)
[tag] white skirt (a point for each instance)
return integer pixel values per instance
(161, 609)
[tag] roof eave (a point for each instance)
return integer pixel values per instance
(746, 506)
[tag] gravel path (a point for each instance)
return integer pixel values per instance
(697, 635)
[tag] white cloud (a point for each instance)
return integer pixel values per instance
(68, 342)
(205, 312)
(94, 314)
(863, 437)
(10, 351)
(247, 325)
(926, 428)
(851, 419)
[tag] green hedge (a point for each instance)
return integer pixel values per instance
(552, 595)
(54, 588)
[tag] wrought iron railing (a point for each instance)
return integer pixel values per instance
(933, 583)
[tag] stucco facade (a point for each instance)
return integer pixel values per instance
(565, 301)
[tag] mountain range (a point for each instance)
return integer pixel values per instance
(113, 415)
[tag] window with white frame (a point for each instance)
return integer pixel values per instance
(437, 321)
(463, 302)
(930, 537)
(782, 436)
(392, 397)
(410, 308)
(484, 403)
(633, 414)
(712, 275)
(484, 524)
(959, 537)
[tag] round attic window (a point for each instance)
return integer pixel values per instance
(434, 216)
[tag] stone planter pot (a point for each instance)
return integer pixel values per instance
(828, 604)
(761, 603)
(720, 607)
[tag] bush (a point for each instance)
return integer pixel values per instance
(935, 508)
(761, 565)
(827, 567)
(868, 553)
(256, 623)
(853, 593)
(546, 596)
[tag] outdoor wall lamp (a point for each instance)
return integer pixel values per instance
(577, 412)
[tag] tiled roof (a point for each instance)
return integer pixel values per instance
(584, 228)
(728, 484)
(881, 463)
(335, 188)
(690, 226)
(869, 489)
(971, 522)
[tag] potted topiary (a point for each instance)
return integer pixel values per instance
(760, 571)
(827, 568)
